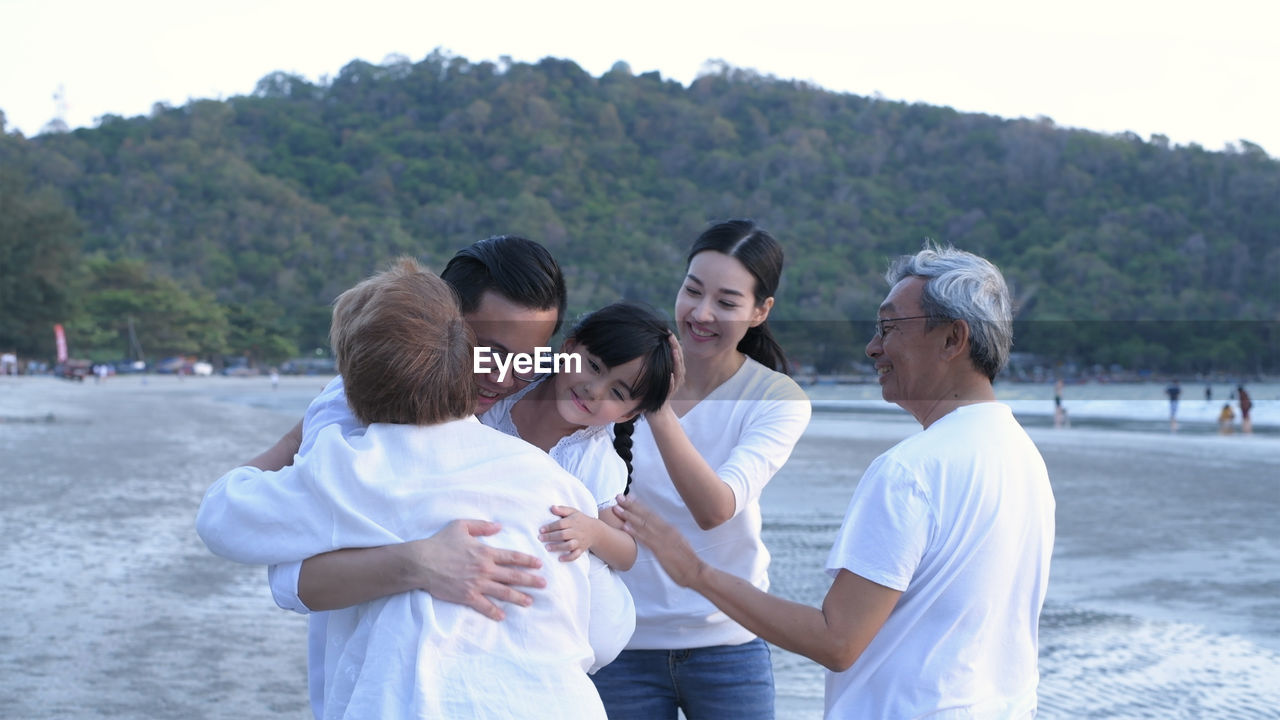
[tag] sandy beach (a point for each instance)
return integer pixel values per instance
(114, 608)
(112, 605)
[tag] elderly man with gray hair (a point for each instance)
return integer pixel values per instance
(942, 563)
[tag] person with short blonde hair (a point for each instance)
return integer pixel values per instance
(395, 335)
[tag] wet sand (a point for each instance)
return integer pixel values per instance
(113, 607)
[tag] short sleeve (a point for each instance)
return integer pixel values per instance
(608, 480)
(887, 528)
(594, 461)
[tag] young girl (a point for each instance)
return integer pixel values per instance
(626, 368)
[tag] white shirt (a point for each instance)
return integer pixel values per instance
(406, 655)
(745, 429)
(587, 453)
(960, 518)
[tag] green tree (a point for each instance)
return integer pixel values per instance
(167, 319)
(260, 333)
(38, 247)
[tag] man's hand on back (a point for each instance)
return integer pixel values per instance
(454, 566)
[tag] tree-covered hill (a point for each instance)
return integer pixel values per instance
(226, 227)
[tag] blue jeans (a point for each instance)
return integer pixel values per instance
(730, 682)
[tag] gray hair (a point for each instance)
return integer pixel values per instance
(962, 286)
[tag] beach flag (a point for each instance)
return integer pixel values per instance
(60, 338)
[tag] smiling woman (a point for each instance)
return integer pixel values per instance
(701, 462)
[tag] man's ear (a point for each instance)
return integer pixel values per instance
(761, 312)
(956, 341)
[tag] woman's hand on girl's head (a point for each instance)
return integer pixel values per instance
(677, 369)
(677, 363)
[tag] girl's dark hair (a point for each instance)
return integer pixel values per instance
(761, 255)
(618, 334)
(622, 433)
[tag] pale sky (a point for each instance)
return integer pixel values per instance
(1203, 72)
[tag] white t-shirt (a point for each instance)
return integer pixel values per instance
(587, 454)
(960, 517)
(407, 655)
(745, 429)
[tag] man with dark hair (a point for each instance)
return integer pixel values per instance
(942, 563)
(519, 269)
(512, 295)
(508, 288)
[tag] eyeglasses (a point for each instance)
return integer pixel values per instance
(884, 325)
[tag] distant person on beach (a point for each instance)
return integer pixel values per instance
(1208, 393)
(1174, 391)
(942, 563)
(1226, 420)
(1246, 404)
(1059, 412)
(419, 461)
